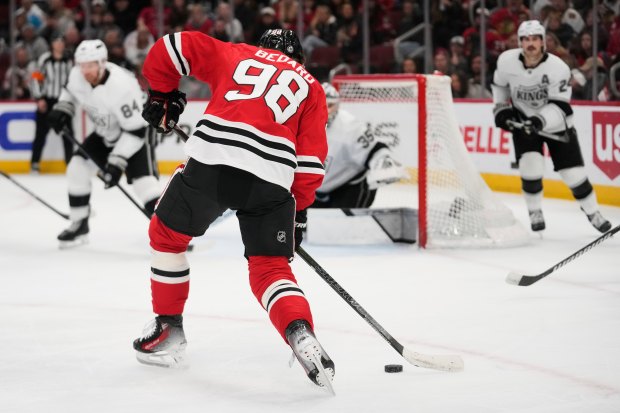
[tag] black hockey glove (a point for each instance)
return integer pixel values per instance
(301, 223)
(532, 125)
(61, 115)
(114, 170)
(162, 110)
(504, 115)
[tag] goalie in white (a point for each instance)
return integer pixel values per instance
(113, 100)
(531, 92)
(356, 164)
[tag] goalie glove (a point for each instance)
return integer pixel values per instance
(384, 170)
(162, 110)
(504, 115)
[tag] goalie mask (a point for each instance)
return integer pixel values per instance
(531, 28)
(285, 41)
(333, 101)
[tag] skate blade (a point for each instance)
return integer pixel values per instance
(79, 240)
(325, 376)
(163, 359)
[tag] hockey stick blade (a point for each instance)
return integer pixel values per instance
(525, 280)
(436, 362)
(521, 279)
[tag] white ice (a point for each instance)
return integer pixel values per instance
(67, 320)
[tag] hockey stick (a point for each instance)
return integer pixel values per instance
(525, 280)
(10, 178)
(522, 126)
(69, 136)
(436, 362)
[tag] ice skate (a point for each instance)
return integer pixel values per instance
(76, 234)
(162, 343)
(598, 222)
(310, 354)
(537, 220)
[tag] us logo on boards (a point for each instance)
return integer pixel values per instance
(606, 142)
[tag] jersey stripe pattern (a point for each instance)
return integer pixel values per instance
(267, 114)
(54, 75)
(279, 289)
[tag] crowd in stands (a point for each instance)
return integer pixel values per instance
(333, 35)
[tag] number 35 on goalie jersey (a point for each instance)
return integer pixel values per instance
(267, 114)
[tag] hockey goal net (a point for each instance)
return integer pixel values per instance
(415, 115)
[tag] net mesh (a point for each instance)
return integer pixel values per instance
(460, 208)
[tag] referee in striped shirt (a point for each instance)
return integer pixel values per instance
(51, 76)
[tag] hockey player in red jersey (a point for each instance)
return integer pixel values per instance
(258, 149)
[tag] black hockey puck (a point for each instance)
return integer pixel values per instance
(393, 368)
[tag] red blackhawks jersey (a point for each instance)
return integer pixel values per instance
(267, 114)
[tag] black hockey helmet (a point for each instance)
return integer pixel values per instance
(285, 41)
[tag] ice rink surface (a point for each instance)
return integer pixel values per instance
(69, 318)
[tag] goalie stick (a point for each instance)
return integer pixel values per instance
(525, 280)
(435, 362)
(10, 178)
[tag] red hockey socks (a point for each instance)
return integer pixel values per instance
(276, 289)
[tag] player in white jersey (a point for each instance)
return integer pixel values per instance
(531, 92)
(356, 163)
(113, 100)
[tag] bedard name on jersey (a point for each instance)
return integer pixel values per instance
(531, 92)
(258, 149)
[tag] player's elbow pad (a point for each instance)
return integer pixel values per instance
(128, 144)
(501, 94)
(554, 118)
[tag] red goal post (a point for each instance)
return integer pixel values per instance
(415, 116)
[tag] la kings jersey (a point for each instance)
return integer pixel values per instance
(114, 105)
(348, 151)
(543, 90)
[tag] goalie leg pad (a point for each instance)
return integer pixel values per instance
(276, 289)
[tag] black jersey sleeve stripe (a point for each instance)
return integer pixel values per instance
(176, 52)
(307, 164)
